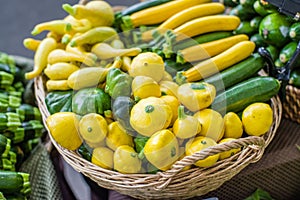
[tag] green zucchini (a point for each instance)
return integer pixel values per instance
(30, 112)
(245, 13)
(247, 3)
(14, 182)
(8, 163)
(274, 51)
(240, 71)
(7, 99)
(263, 10)
(254, 22)
(295, 78)
(4, 145)
(274, 28)
(19, 155)
(278, 63)
(6, 79)
(9, 121)
(245, 28)
(229, 3)
(141, 6)
(258, 40)
(239, 96)
(28, 130)
(208, 37)
(287, 51)
(294, 31)
(28, 145)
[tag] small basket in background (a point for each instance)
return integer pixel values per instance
(291, 105)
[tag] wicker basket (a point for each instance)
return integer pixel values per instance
(291, 106)
(174, 183)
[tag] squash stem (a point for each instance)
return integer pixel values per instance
(69, 9)
(170, 40)
(149, 108)
(179, 58)
(180, 78)
(141, 155)
(127, 23)
(181, 113)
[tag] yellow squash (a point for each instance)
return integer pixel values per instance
(168, 88)
(185, 15)
(209, 49)
(233, 125)
(106, 51)
(126, 160)
(63, 127)
(208, 67)
(126, 63)
(94, 35)
(59, 27)
(144, 86)
(150, 115)
(40, 57)
(162, 149)
(103, 157)
(93, 128)
(117, 136)
(206, 24)
(99, 13)
(160, 13)
(231, 152)
(60, 55)
(173, 102)
(147, 64)
(31, 43)
(196, 96)
(91, 76)
(186, 126)
(212, 123)
(81, 51)
(200, 143)
(257, 118)
(60, 71)
(57, 85)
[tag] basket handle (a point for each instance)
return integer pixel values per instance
(254, 142)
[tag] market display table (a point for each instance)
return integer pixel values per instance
(277, 172)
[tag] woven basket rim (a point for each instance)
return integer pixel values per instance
(173, 183)
(291, 104)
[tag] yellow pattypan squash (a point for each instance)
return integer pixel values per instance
(150, 115)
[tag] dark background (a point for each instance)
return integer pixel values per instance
(19, 17)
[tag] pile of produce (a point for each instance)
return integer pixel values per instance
(20, 130)
(137, 90)
(268, 28)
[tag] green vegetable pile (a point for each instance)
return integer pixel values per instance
(20, 126)
(269, 28)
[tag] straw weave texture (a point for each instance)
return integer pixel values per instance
(291, 105)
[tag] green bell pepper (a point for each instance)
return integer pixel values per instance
(59, 101)
(118, 83)
(91, 100)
